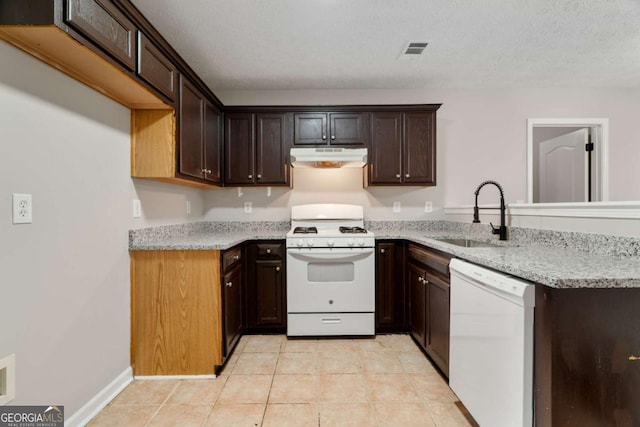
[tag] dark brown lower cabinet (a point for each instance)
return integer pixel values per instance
(232, 285)
(437, 318)
(266, 295)
(587, 357)
(390, 290)
(429, 291)
(417, 303)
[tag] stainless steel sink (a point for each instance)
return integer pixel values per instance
(468, 243)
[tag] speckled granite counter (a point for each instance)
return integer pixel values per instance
(205, 235)
(555, 259)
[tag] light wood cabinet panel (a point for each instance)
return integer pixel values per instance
(176, 326)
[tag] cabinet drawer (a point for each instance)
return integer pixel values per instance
(432, 259)
(155, 68)
(270, 249)
(231, 257)
(102, 23)
(310, 324)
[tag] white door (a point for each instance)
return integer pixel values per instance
(563, 171)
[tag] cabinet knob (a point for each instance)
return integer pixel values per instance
(382, 251)
(259, 176)
(250, 176)
(324, 137)
(398, 175)
(268, 251)
(277, 268)
(333, 137)
(204, 171)
(208, 170)
(236, 257)
(406, 175)
(229, 284)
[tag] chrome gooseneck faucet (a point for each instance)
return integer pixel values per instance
(502, 230)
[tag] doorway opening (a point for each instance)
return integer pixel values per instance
(567, 160)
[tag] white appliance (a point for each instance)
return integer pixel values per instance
(330, 272)
(491, 348)
(334, 157)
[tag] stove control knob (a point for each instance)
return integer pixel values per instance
(310, 242)
(300, 242)
(330, 243)
(350, 242)
(361, 242)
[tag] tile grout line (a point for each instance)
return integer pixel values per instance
(162, 404)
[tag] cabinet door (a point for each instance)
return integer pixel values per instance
(232, 283)
(389, 287)
(239, 149)
(212, 145)
(269, 287)
(419, 150)
(310, 129)
(191, 129)
(271, 149)
(102, 23)
(385, 166)
(156, 68)
(417, 303)
(438, 321)
(347, 129)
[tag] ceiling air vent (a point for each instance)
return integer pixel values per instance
(413, 50)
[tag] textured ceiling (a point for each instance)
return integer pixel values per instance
(355, 44)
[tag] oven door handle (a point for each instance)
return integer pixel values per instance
(330, 254)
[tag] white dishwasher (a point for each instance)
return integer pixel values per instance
(491, 348)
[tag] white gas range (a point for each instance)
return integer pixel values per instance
(330, 272)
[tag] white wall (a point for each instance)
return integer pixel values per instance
(65, 278)
(321, 186)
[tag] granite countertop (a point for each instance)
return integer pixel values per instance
(555, 259)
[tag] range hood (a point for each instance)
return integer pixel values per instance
(328, 157)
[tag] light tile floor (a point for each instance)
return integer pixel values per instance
(272, 381)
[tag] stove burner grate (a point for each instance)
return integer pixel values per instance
(305, 230)
(351, 230)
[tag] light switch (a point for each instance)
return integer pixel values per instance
(137, 208)
(247, 207)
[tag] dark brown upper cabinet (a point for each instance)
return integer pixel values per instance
(156, 69)
(199, 134)
(101, 22)
(403, 148)
(330, 129)
(256, 149)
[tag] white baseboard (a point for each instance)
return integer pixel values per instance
(98, 402)
(175, 377)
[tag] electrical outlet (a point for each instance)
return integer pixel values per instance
(428, 206)
(188, 207)
(247, 207)
(22, 209)
(396, 207)
(137, 208)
